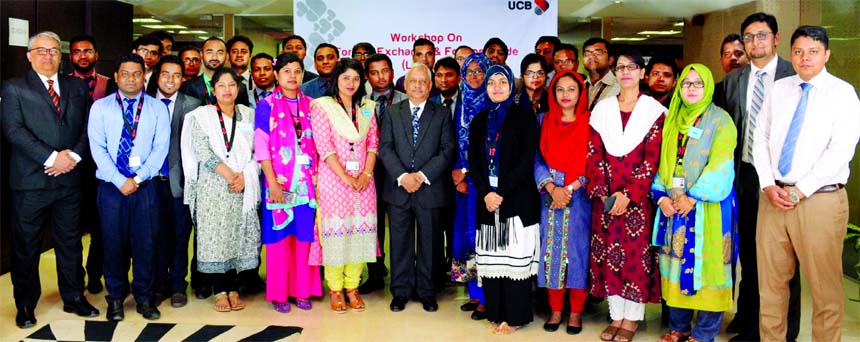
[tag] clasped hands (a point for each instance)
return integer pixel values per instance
(358, 183)
(64, 163)
(493, 201)
(780, 197)
(620, 205)
(411, 182)
(682, 205)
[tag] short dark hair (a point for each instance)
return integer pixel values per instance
(326, 45)
(448, 62)
(768, 19)
(129, 58)
(162, 34)
(549, 39)
(170, 59)
(662, 59)
(148, 39)
(376, 58)
(816, 33)
(260, 55)
(213, 38)
(731, 37)
(421, 42)
(225, 71)
(566, 47)
(530, 59)
(463, 47)
(341, 67)
(595, 40)
(631, 54)
(242, 39)
(498, 41)
(83, 38)
(364, 45)
(289, 38)
(187, 48)
(284, 59)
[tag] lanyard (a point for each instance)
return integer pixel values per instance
(132, 130)
(597, 97)
(491, 149)
(682, 144)
(208, 95)
(227, 143)
(297, 123)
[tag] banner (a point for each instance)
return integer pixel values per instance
(392, 26)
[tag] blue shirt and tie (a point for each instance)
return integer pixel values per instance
(109, 143)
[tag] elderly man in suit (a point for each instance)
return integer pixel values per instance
(417, 147)
(743, 94)
(175, 229)
(44, 120)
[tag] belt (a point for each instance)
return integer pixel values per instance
(823, 189)
(160, 178)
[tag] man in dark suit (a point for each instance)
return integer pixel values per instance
(175, 229)
(214, 57)
(44, 120)
(417, 147)
(743, 92)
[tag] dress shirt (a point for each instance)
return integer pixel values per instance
(827, 138)
(420, 111)
(172, 98)
(453, 104)
(315, 88)
(105, 128)
(53, 157)
(769, 77)
(257, 93)
(612, 87)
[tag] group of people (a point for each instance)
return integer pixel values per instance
(638, 182)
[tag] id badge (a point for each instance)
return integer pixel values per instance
(494, 181)
(679, 183)
(352, 165)
(695, 132)
(134, 161)
(303, 159)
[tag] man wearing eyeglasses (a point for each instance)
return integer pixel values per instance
(565, 57)
(601, 83)
(149, 48)
(744, 92)
(44, 121)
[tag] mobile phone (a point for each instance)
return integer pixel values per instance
(607, 206)
(289, 197)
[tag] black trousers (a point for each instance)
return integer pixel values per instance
(411, 271)
(508, 300)
(34, 210)
(748, 296)
(171, 251)
(376, 270)
(91, 222)
(224, 282)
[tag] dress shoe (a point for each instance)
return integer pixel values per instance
(398, 303)
(371, 285)
(469, 306)
(178, 300)
(551, 327)
(79, 306)
(115, 310)
(25, 318)
(95, 286)
(429, 304)
(148, 310)
(479, 315)
(572, 330)
(203, 292)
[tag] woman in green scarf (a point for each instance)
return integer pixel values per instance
(696, 223)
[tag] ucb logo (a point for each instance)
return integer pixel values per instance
(540, 6)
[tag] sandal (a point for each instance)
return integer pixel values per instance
(505, 329)
(281, 307)
(355, 301)
(624, 335)
(222, 303)
(236, 304)
(337, 304)
(304, 304)
(674, 336)
(608, 334)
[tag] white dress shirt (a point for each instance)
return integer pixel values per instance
(769, 77)
(420, 111)
(53, 157)
(828, 136)
(172, 98)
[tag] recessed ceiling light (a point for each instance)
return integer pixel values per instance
(679, 24)
(659, 33)
(165, 27)
(628, 39)
(145, 21)
(193, 32)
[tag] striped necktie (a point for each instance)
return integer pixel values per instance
(126, 142)
(415, 125)
(757, 101)
(54, 97)
(787, 155)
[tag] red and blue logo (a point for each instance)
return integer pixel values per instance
(541, 6)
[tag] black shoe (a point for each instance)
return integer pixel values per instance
(250, 283)
(25, 318)
(81, 307)
(429, 304)
(148, 311)
(479, 315)
(95, 286)
(746, 337)
(371, 285)
(469, 306)
(398, 303)
(115, 310)
(551, 327)
(203, 293)
(572, 330)
(178, 300)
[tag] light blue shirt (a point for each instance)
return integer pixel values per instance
(105, 128)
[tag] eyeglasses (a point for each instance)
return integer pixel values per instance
(359, 54)
(595, 53)
(628, 67)
(474, 72)
(88, 52)
(533, 74)
(44, 52)
(147, 52)
(694, 84)
(192, 60)
(567, 62)
(760, 36)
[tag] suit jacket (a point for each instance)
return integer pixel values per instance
(433, 154)
(396, 97)
(197, 88)
(184, 105)
(35, 131)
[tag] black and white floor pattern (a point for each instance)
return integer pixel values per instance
(72, 330)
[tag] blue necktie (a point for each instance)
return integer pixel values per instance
(755, 107)
(414, 132)
(785, 158)
(165, 168)
(125, 141)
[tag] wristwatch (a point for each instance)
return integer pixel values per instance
(464, 170)
(793, 196)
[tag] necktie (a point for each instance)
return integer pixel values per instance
(448, 103)
(54, 97)
(265, 94)
(381, 102)
(757, 101)
(125, 141)
(785, 158)
(91, 82)
(415, 125)
(165, 168)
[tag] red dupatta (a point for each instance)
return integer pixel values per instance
(564, 145)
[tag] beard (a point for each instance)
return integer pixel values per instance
(450, 91)
(84, 70)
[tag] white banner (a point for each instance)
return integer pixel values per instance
(393, 25)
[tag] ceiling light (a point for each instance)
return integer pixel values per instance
(628, 39)
(145, 21)
(659, 33)
(679, 24)
(203, 37)
(165, 27)
(193, 32)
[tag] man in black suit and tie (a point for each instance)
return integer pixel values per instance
(44, 120)
(417, 147)
(743, 93)
(171, 255)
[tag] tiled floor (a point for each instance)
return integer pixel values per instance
(377, 323)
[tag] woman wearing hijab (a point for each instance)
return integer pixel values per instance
(503, 140)
(285, 149)
(222, 188)
(565, 224)
(624, 150)
(474, 101)
(695, 225)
